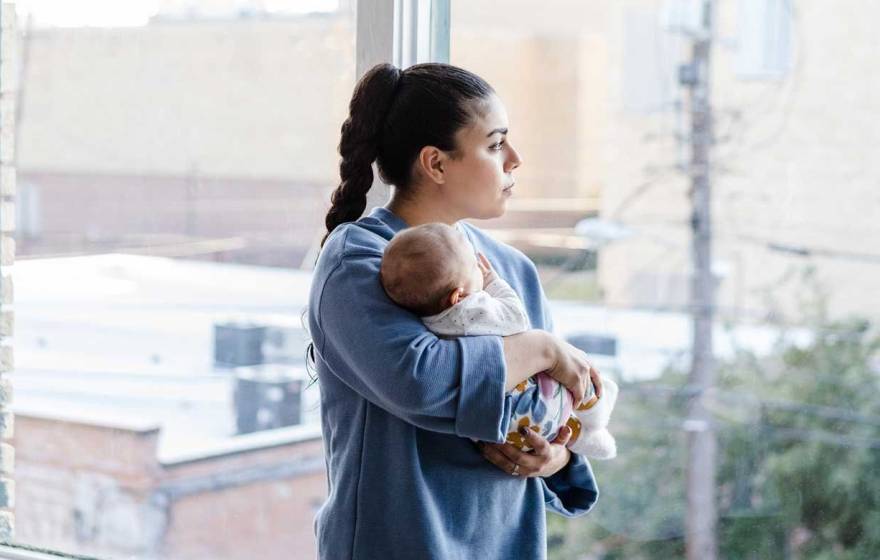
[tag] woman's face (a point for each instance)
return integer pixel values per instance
(480, 180)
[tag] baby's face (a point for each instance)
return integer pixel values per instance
(471, 277)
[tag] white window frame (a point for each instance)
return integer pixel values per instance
(765, 31)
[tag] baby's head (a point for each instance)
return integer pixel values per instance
(429, 268)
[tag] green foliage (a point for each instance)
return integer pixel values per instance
(798, 465)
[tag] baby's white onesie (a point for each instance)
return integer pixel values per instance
(496, 309)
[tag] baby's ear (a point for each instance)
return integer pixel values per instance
(455, 296)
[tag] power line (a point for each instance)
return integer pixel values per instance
(777, 246)
(822, 411)
(777, 432)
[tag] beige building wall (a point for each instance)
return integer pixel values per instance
(262, 99)
(794, 165)
(547, 67)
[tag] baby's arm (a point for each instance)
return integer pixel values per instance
(506, 307)
(487, 314)
(479, 314)
(494, 310)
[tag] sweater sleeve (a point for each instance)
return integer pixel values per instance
(572, 491)
(388, 356)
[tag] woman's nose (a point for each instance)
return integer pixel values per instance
(513, 161)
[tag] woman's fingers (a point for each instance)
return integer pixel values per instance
(528, 463)
(563, 436)
(516, 462)
(596, 378)
(568, 373)
(537, 442)
(550, 457)
(571, 369)
(508, 457)
(490, 451)
(492, 454)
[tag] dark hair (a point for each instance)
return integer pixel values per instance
(393, 114)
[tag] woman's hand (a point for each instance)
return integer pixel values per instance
(547, 458)
(572, 370)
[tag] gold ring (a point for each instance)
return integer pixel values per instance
(515, 471)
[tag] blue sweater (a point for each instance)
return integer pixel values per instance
(398, 406)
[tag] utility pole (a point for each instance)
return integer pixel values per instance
(702, 514)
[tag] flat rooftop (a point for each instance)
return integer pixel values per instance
(127, 341)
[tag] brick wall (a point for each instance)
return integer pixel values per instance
(85, 488)
(100, 489)
(7, 256)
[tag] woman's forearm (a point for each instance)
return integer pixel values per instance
(526, 354)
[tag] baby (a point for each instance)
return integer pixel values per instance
(432, 270)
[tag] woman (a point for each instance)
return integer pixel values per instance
(400, 407)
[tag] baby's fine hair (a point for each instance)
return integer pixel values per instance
(420, 267)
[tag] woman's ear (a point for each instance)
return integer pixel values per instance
(455, 296)
(431, 163)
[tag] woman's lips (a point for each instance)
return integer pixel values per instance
(509, 188)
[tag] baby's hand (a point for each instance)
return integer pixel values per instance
(486, 269)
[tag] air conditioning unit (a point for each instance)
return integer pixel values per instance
(266, 397)
(238, 343)
(603, 345)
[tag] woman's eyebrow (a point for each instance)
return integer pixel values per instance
(501, 130)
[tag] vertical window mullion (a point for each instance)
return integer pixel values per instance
(439, 25)
(403, 33)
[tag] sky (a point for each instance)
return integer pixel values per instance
(116, 13)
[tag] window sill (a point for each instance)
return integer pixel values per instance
(22, 552)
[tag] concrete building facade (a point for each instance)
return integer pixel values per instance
(795, 197)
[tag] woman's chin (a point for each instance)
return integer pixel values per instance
(498, 212)
(495, 211)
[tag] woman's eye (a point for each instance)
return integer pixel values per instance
(497, 146)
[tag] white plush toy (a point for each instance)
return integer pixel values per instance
(589, 425)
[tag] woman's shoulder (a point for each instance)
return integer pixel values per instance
(347, 267)
(364, 239)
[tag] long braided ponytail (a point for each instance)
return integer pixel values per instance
(359, 144)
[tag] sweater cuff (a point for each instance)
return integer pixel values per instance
(483, 411)
(572, 491)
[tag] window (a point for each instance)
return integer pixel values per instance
(598, 113)
(173, 170)
(764, 45)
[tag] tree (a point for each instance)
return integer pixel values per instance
(799, 444)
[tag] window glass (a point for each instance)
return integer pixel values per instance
(600, 107)
(174, 162)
